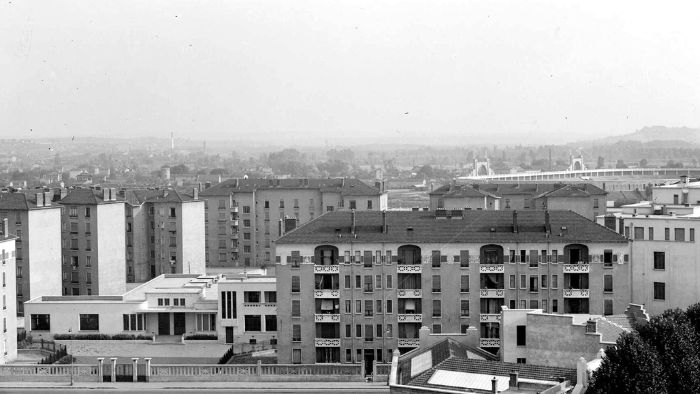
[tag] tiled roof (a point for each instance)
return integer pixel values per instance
(139, 196)
(348, 187)
(82, 197)
(13, 201)
(575, 190)
(476, 226)
(460, 191)
(529, 189)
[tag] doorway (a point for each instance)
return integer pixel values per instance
(164, 324)
(369, 361)
(179, 323)
(229, 334)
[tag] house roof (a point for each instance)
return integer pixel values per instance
(575, 190)
(348, 187)
(462, 191)
(530, 189)
(475, 226)
(19, 201)
(140, 196)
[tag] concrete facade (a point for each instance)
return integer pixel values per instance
(254, 318)
(8, 314)
(243, 216)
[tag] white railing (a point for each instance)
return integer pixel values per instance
(409, 269)
(326, 269)
(327, 342)
(489, 342)
(409, 293)
(234, 222)
(490, 317)
(577, 293)
(325, 293)
(492, 293)
(326, 318)
(491, 268)
(576, 268)
(259, 305)
(409, 342)
(409, 318)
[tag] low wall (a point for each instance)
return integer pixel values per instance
(48, 373)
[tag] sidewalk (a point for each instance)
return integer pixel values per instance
(378, 386)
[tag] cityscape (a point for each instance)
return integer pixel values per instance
(196, 216)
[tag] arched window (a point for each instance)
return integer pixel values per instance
(326, 255)
(576, 254)
(409, 254)
(491, 254)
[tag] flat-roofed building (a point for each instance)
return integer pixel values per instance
(357, 285)
(8, 314)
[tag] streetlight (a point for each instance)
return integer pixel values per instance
(70, 330)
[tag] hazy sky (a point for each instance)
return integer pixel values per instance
(310, 72)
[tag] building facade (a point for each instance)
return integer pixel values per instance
(93, 239)
(8, 314)
(36, 224)
(357, 285)
(243, 216)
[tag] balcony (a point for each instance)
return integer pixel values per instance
(492, 293)
(490, 318)
(577, 293)
(234, 236)
(409, 293)
(577, 268)
(409, 318)
(326, 293)
(409, 269)
(327, 342)
(234, 209)
(326, 269)
(409, 342)
(327, 318)
(491, 268)
(489, 342)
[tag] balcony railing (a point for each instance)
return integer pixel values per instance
(325, 293)
(327, 342)
(491, 268)
(409, 342)
(326, 269)
(577, 293)
(234, 209)
(492, 293)
(489, 342)
(409, 269)
(327, 318)
(576, 268)
(490, 317)
(409, 318)
(409, 293)
(234, 222)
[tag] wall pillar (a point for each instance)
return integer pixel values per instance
(114, 368)
(148, 368)
(100, 368)
(135, 370)
(258, 369)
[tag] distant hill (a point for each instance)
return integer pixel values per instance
(661, 134)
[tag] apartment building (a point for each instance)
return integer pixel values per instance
(164, 233)
(357, 285)
(583, 198)
(93, 242)
(170, 304)
(36, 225)
(244, 216)
(8, 314)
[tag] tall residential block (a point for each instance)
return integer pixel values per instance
(36, 224)
(164, 234)
(244, 216)
(8, 314)
(354, 286)
(93, 239)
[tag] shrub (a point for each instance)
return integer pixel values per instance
(100, 337)
(227, 356)
(201, 337)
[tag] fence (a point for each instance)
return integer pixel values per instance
(48, 373)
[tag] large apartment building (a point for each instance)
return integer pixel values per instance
(8, 314)
(583, 198)
(356, 285)
(243, 216)
(36, 224)
(93, 236)
(164, 233)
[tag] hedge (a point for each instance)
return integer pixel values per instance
(100, 337)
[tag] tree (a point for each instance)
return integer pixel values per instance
(179, 169)
(643, 163)
(620, 164)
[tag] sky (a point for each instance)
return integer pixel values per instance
(347, 72)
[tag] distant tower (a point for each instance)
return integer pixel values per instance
(172, 142)
(576, 163)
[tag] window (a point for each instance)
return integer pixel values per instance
(296, 203)
(353, 204)
(520, 336)
(607, 307)
(379, 306)
(367, 259)
(437, 328)
(89, 322)
(389, 306)
(595, 203)
(436, 258)
(667, 234)
(358, 330)
(41, 322)
(296, 308)
(368, 333)
(252, 323)
(607, 258)
(639, 233)
(523, 282)
(555, 281)
(659, 291)
(251, 296)
(348, 306)
(659, 260)
(437, 308)
(206, 322)
(436, 284)
(692, 235)
(246, 236)
(73, 212)
(389, 282)
(389, 330)
(378, 281)
(543, 283)
(369, 308)
(533, 304)
(533, 284)
(464, 308)
(296, 333)
(329, 208)
(358, 282)
(246, 223)
(270, 323)
(650, 232)
(348, 331)
(512, 282)
(555, 306)
(246, 208)
(679, 234)
(369, 204)
(464, 258)
(347, 281)
(544, 306)
(521, 360)
(270, 297)
(358, 306)
(296, 287)
(464, 284)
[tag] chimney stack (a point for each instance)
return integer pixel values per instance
(40, 199)
(195, 193)
(515, 221)
(105, 194)
(48, 197)
(113, 193)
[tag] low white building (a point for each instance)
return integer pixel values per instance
(170, 304)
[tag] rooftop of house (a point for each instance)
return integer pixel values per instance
(86, 197)
(463, 226)
(530, 189)
(690, 184)
(140, 196)
(21, 201)
(347, 187)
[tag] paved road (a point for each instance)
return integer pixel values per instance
(174, 390)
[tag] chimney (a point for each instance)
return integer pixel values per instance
(378, 185)
(40, 199)
(385, 228)
(113, 193)
(515, 221)
(352, 229)
(494, 385)
(48, 196)
(105, 194)
(195, 193)
(513, 381)
(5, 228)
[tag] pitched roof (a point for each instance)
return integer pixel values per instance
(530, 189)
(476, 226)
(576, 190)
(140, 196)
(82, 197)
(24, 200)
(462, 191)
(348, 187)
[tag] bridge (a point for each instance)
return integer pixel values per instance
(587, 174)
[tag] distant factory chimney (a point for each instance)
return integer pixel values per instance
(172, 142)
